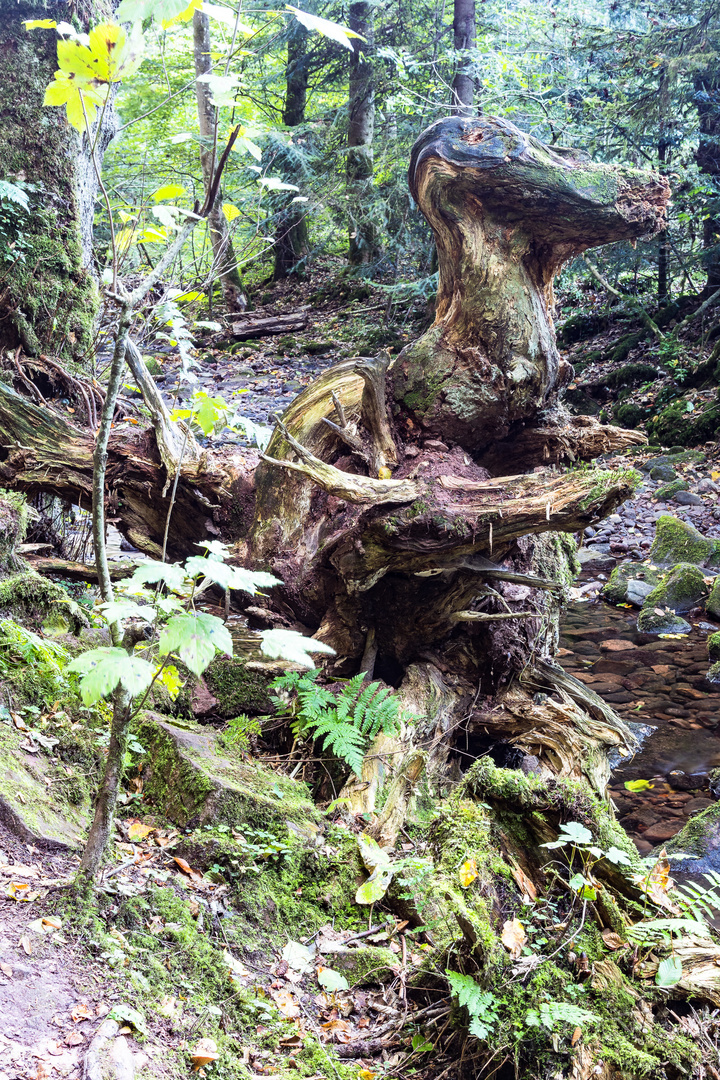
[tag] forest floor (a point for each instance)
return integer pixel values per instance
(164, 952)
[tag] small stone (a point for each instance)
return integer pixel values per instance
(696, 805)
(644, 848)
(664, 830)
(687, 498)
(435, 444)
(617, 645)
(706, 486)
(637, 591)
(680, 781)
(615, 518)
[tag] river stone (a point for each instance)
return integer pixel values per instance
(34, 811)
(677, 541)
(617, 589)
(700, 837)
(195, 782)
(687, 498)
(712, 605)
(681, 591)
(664, 830)
(637, 591)
(650, 622)
(713, 646)
(668, 491)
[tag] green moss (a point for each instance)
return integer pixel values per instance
(713, 646)
(679, 542)
(237, 689)
(36, 599)
(615, 590)
(50, 300)
(624, 347)
(712, 604)
(629, 415)
(600, 481)
(666, 491)
(676, 424)
(681, 590)
(632, 375)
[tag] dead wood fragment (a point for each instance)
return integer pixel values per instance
(273, 324)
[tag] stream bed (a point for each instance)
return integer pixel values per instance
(659, 684)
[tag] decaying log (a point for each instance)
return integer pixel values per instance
(273, 324)
(76, 571)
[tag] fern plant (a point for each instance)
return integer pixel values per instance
(346, 721)
(480, 1004)
(701, 901)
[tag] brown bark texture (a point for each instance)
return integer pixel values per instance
(404, 552)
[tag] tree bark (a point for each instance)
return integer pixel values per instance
(707, 156)
(292, 242)
(361, 125)
(463, 85)
(48, 298)
(224, 260)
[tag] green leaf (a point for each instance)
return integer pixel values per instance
(332, 981)
(615, 855)
(576, 833)
(375, 887)
(637, 785)
(151, 571)
(669, 972)
(102, 670)
(298, 956)
(127, 609)
(420, 1044)
(373, 856)
(125, 1014)
(291, 646)
(195, 638)
(328, 29)
(14, 194)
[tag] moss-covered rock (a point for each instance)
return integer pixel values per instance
(30, 808)
(41, 602)
(237, 689)
(629, 415)
(653, 620)
(677, 541)
(666, 491)
(194, 784)
(701, 838)
(712, 604)
(663, 472)
(683, 588)
(675, 424)
(632, 375)
(713, 646)
(630, 582)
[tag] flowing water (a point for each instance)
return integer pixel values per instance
(658, 685)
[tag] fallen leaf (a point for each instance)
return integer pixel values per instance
(286, 1003)
(20, 890)
(576, 1035)
(138, 831)
(331, 980)
(81, 1012)
(340, 1030)
(186, 868)
(513, 937)
(6, 970)
(19, 722)
(467, 873)
(55, 1049)
(74, 1038)
(613, 940)
(204, 1053)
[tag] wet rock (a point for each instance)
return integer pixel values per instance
(701, 838)
(713, 646)
(677, 541)
(696, 805)
(664, 830)
(202, 701)
(712, 605)
(643, 846)
(617, 645)
(713, 675)
(668, 491)
(681, 781)
(652, 620)
(681, 590)
(617, 590)
(715, 783)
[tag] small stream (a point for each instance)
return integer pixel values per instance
(657, 685)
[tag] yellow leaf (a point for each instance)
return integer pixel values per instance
(185, 15)
(204, 1053)
(715, 475)
(170, 678)
(39, 24)
(366, 1074)
(231, 212)
(384, 473)
(513, 937)
(138, 831)
(168, 191)
(468, 872)
(286, 1003)
(525, 884)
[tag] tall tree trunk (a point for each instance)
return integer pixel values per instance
(463, 86)
(48, 297)
(224, 261)
(361, 125)
(292, 244)
(663, 248)
(707, 156)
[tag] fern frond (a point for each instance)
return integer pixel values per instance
(344, 740)
(347, 700)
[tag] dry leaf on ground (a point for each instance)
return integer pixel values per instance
(468, 872)
(513, 937)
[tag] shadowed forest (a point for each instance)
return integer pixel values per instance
(359, 540)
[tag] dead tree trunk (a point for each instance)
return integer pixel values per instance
(292, 243)
(401, 551)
